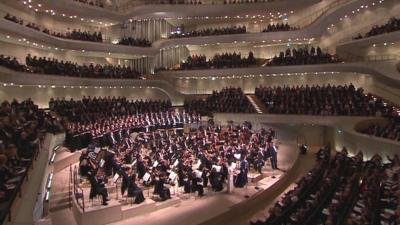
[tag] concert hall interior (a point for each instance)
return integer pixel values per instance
(199, 112)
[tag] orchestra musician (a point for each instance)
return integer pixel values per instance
(196, 159)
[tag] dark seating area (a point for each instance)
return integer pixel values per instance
(130, 41)
(326, 100)
(302, 56)
(98, 3)
(307, 185)
(76, 35)
(22, 126)
(391, 26)
(69, 34)
(14, 19)
(89, 120)
(219, 61)
(228, 100)
(210, 32)
(89, 109)
(278, 27)
(53, 66)
(341, 190)
(390, 131)
(11, 63)
(227, 2)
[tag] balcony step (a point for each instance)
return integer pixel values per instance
(257, 104)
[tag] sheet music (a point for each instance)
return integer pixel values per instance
(198, 173)
(115, 178)
(217, 168)
(146, 177)
(237, 156)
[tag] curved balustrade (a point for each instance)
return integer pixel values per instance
(315, 30)
(169, 11)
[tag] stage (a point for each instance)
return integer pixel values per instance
(182, 208)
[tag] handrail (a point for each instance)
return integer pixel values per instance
(349, 57)
(70, 186)
(123, 8)
(78, 191)
(310, 19)
(18, 190)
(347, 35)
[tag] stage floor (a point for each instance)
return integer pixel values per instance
(185, 209)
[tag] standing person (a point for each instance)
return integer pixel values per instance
(274, 156)
(241, 179)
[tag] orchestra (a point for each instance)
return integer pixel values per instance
(192, 160)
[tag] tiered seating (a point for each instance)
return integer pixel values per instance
(98, 3)
(227, 2)
(130, 41)
(302, 56)
(22, 126)
(91, 109)
(391, 26)
(91, 119)
(228, 100)
(74, 34)
(362, 209)
(210, 32)
(389, 131)
(278, 27)
(45, 65)
(333, 210)
(219, 61)
(388, 206)
(350, 192)
(279, 214)
(322, 100)
(11, 63)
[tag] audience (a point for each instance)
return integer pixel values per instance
(98, 3)
(53, 66)
(278, 27)
(228, 100)
(11, 63)
(390, 131)
(210, 32)
(74, 34)
(91, 119)
(140, 42)
(391, 26)
(22, 126)
(283, 208)
(219, 61)
(322, 100)
(302, 56)
(227, 2)
(342, 190)
(14, 19)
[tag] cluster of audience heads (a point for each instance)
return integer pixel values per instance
(53, 66)
(219, 61)
(278, 27)
(130, 41)
(70, 34)
(228, 100)
(302, 56)
(391, 26)
(326, 100)
(210, 32)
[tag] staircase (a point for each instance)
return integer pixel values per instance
(257, 104)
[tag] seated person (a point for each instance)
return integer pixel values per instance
(160, 189)
(97, 187)
(134, 190)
